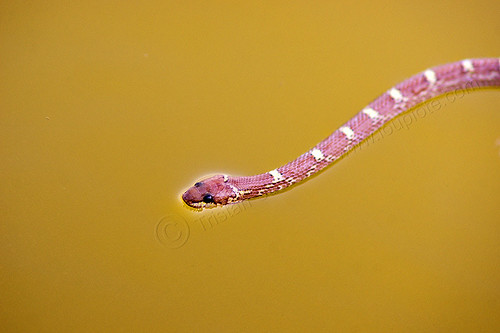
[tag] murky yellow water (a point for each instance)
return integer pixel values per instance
(110, 110)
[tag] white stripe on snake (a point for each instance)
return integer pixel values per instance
(467, 74)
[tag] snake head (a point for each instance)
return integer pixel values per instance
(210, 192)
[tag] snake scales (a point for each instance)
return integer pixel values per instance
(466, 74)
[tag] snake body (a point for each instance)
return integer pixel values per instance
(466, 74)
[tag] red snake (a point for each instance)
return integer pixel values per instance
(466, 74)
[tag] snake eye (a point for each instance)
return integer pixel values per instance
(198, 184)
(208, 198)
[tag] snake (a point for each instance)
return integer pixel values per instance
(222, 189)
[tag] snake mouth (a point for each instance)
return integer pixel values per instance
(201, 205)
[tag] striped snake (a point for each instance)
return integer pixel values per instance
(221, 190)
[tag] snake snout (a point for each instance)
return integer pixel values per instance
(191, 196)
